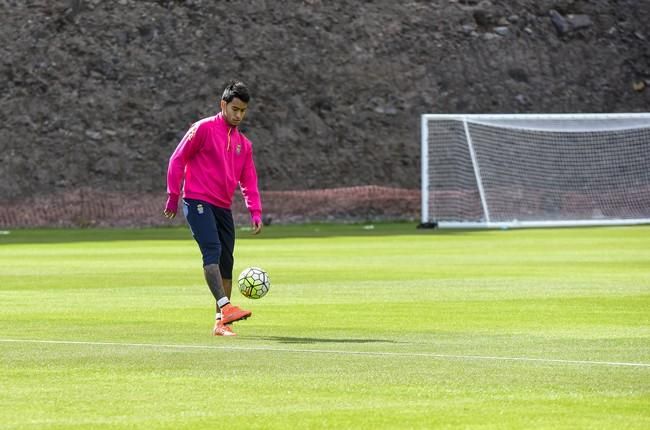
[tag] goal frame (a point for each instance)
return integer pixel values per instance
(465, 118)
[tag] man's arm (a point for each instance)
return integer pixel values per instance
(248, 186)
(185, 150)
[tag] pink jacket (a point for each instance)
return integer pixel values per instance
(212, 159)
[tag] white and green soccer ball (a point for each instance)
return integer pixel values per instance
(254, 282)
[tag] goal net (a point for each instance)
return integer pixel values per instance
(535, 170)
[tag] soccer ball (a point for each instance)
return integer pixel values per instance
(254, 282)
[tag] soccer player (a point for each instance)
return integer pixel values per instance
(209, 162)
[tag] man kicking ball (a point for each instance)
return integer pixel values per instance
(210, 161)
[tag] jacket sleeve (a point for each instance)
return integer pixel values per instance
(186, 149)
(248, 186)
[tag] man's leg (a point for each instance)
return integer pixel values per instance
(227, 289)
(221, 289)
(227, 286)
(203, 225)
(226, 230)
(215, 283)
(217, 287)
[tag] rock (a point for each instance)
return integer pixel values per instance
(93, 134)
(468, 28)
(518, 74)
(502, 31)
(578, 22)
(570, 23)
(559, 22)
(485, 15)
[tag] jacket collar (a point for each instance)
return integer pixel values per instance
(223, 123)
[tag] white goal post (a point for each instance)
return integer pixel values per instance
(535, 170)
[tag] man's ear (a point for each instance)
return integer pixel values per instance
(223, 105)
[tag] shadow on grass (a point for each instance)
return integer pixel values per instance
(316, 340)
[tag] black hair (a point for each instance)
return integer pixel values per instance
(236, 89)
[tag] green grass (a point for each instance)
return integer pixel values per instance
(390, 327)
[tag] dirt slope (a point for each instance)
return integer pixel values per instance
(96, 94)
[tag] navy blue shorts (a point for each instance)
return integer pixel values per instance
(213, 229)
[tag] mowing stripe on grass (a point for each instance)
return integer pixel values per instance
(327, 351)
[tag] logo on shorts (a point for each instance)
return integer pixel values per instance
(199, 209)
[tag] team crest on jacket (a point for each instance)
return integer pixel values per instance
(238, 148)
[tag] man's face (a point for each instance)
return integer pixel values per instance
(234, 111)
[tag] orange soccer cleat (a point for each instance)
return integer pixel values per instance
(221, 329)
(231, 313)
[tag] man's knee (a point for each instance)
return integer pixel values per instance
(211, 253)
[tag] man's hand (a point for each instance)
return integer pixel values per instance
(171, 206)
(256, 224)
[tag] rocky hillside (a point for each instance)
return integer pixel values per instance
(96, 94)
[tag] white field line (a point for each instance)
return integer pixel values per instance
(328, 351)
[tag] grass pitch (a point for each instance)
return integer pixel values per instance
(389, 327)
